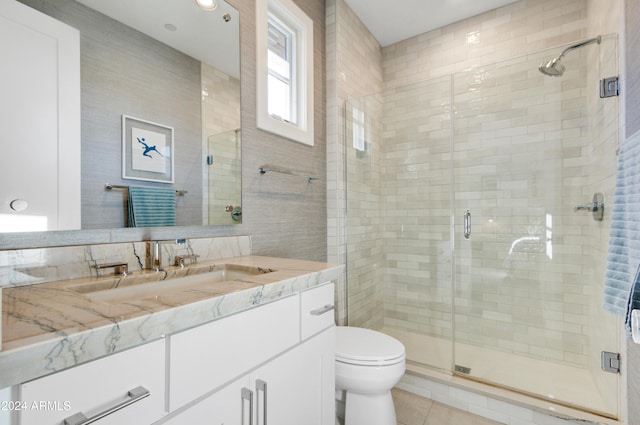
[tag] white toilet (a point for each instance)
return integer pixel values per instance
(368, 365)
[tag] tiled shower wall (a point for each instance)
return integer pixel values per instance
(514, 30)
(346, 61)
(526, 26)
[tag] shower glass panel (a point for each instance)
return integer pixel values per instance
(527, 150)
(398, 161)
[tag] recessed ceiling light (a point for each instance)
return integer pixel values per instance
(207, 5)
(170, 27)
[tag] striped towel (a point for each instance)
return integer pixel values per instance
(623, 261)
(151, 206)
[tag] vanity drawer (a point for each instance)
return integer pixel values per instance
(99, 387)
(208, 356)
(317, 310)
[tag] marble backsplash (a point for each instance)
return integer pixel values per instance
(39, 265)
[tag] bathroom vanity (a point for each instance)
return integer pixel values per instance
(252, 348)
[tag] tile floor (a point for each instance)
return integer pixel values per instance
(415, 410)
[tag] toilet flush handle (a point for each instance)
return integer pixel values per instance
(322, 310)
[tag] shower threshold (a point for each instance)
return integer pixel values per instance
(500, 375)
(490, 401)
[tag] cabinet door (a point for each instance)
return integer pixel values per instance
(230, 405)
(316, 310)
(40, 120)
(209, 356)
(98, 387)
(298, 387)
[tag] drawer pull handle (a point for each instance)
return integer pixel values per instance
(133, 395)
(322, 310)
(262, 386)
(247, 394)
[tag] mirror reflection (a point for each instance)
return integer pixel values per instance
(173, 68)
(225, 174)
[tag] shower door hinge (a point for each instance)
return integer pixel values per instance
(611, 362)
(609, 87)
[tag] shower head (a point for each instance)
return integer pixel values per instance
(554, 68)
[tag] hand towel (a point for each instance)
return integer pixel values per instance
(634, 300)
(623, 259)
(151, 206)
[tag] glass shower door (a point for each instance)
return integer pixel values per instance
(528, 278)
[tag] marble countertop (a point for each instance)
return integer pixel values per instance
(51, 326)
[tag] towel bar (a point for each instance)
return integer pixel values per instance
(271, 168)
(109, 186)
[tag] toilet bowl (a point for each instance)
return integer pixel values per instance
(368, 365)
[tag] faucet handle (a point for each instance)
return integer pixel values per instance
(180, 259)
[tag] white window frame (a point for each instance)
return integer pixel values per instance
(287, 12)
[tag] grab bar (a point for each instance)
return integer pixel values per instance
(467, 224)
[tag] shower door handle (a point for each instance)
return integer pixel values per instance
(467, 224)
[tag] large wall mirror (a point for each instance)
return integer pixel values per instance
(161, 67)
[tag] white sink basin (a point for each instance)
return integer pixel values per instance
(228, 278)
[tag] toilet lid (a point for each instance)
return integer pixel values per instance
(367, 347)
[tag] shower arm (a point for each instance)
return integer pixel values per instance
(581, 44)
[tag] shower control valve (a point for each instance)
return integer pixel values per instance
(596, 206)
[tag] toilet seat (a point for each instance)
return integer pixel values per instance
(365, 347)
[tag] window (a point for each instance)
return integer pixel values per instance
(281, 89)
(284, 70)
(358, 129)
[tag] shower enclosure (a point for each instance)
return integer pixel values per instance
(462, 236)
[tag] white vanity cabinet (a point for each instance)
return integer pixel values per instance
(287, 377)
(292, 388)
(209, 356)
(271, 364)
(126, 388)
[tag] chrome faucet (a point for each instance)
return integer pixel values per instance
(154, 252)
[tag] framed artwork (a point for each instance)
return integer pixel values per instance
(147, 150)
